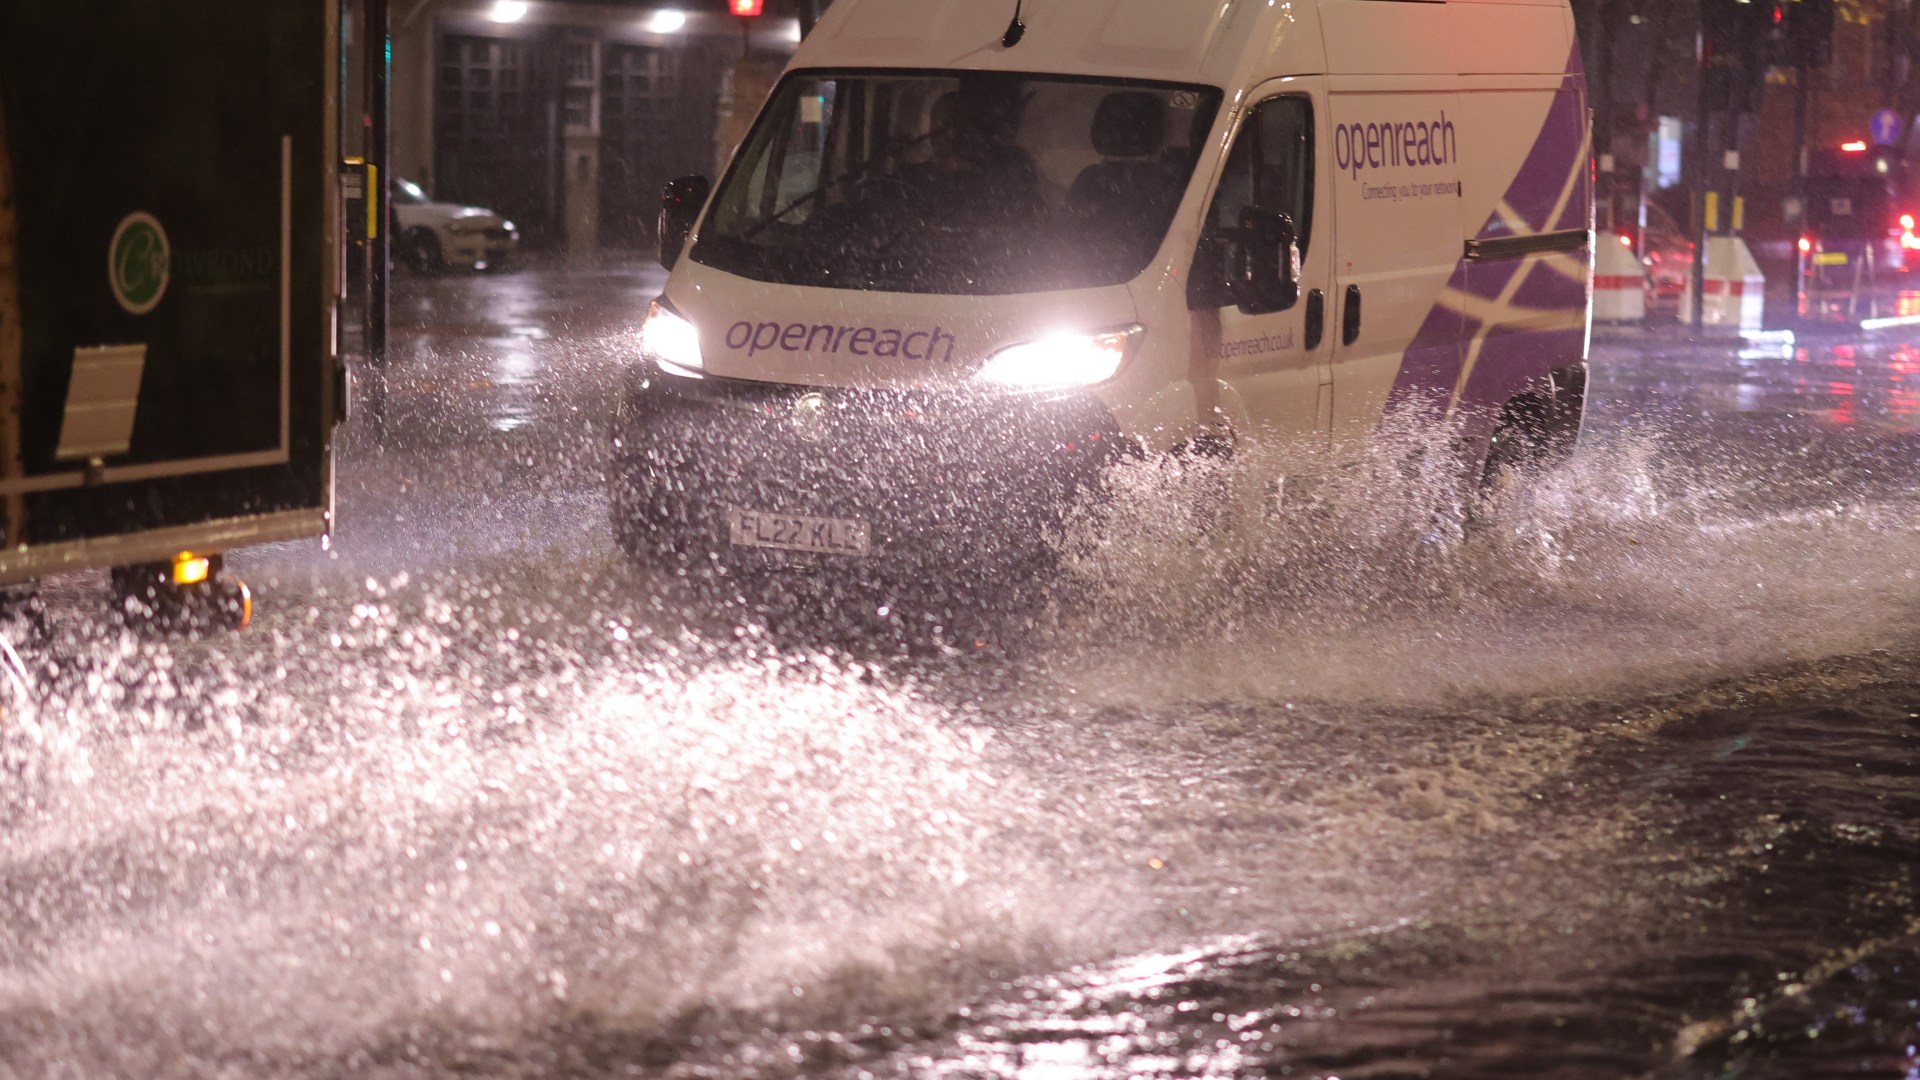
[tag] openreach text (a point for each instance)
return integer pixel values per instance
(1359, 147)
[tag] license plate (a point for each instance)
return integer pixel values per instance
(791, 532)
(1830, 258)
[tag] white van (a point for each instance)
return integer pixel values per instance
(972, 249)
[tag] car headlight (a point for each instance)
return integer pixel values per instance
(1062, 360)
(670, 342)
(509, 227)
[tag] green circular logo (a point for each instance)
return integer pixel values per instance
(139, 263)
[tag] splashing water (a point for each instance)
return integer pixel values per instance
(504, 819)
(395, 851)
(1634, 565)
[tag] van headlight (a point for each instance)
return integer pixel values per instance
(670, 342)
(1062, 360)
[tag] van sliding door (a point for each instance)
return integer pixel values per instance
(1461, 168)
(1397, 143)
(1528, 253)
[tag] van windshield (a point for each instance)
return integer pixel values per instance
(973, 183)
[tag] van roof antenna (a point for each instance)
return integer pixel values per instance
(1016, 29)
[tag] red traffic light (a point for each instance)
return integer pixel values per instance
(748, 8)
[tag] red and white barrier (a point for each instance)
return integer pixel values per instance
(1736, 290)
(1619, 281)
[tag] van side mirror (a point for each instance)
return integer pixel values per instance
(1255, 267)
(1266, 266)
(680, 204)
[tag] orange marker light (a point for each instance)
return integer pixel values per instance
(191, 569)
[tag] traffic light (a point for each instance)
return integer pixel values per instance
(1734, 32)
(1806, 33)
(1735, 53)
(746, 8)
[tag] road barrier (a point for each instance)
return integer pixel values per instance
(1619, 281)
(1736, 290)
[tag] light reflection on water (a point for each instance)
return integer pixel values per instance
(1842, 383)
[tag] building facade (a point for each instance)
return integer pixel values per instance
(568, 117)
(1870, 72)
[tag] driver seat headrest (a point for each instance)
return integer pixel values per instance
(1129, 124)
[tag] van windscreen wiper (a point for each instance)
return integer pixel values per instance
(891, 154)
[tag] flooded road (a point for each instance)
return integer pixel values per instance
(1617, 780)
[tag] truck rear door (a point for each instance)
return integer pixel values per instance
(173, 170)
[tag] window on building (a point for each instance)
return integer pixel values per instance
(580, 100)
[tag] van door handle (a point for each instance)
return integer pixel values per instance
(1350, 322)
(1316, 318)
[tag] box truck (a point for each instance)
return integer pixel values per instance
(170, 244)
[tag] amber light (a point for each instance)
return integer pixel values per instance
(191, 569)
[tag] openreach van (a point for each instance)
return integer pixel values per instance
(973, 249)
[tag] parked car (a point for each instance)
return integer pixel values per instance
(1667, 254)
(431, 236)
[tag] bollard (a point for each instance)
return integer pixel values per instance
(1619, 281)
(1736, 290)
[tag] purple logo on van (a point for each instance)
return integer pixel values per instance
(1359, 147)
(757, 338)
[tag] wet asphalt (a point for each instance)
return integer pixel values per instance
(1621, 781)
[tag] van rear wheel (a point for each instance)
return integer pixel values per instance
(1537, 432)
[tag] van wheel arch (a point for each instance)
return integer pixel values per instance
(1539, 428)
